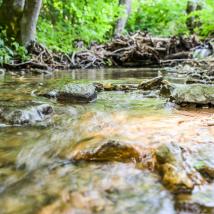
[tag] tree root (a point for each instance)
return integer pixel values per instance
(134, 50)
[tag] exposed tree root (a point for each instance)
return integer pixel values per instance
(134, 50)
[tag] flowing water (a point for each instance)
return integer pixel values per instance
(37, 174)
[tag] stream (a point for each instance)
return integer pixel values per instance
(50, 167)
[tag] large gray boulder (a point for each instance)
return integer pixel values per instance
(190, 94)
(73, 93)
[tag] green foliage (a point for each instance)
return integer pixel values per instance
(69, 21)
(206, 18)
(63, 23)
(19, 51)
(14, 51)
(159, 17)
(6, 53)
(166, 17)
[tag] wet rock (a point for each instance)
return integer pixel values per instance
(203, 51)
(89, 188)
(99, 86)
(152, 84)
(2, 72)
(73, 93)
(171, 166)
(114, 87)
(107, 87)
(191, 80)
(106, 151)
(183, 168)
(200, 201)
(110, 87)
(196, 73)
(204, 196)
(203, 160)
(197, 93)
(190, 94)
(27, 116)
(166, 89)
(202, 77)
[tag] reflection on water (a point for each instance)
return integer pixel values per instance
(36, 173)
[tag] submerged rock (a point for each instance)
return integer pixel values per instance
(73, 93)
(106, 151)
(152, 84)
(89, 188)
(26, 116)
(183, 168)
(200, 201)
(171, 166)
(190, 94)
(203, 159)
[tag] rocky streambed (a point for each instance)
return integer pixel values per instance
(107, 141)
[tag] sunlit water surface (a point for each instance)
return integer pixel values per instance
(36, 173)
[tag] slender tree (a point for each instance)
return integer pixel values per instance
(29, 20)
(121, 23)
(19, 18)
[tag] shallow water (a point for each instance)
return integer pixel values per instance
(37, 174)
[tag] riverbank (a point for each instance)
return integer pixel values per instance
(135, 50)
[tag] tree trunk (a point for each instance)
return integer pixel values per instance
(121, 23)
(29, 20)
(19, 19)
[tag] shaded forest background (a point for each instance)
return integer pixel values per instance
(63, 24)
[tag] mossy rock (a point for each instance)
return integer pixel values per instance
(170, 165)
(106, 150)
(71, 93)
(192, 94)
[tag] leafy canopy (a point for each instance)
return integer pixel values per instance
(63, 23)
